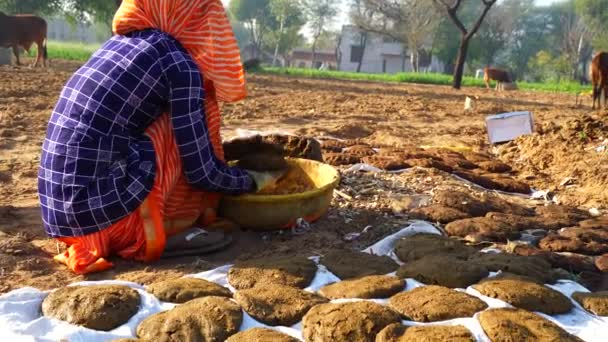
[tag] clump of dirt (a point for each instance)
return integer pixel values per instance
(294, 271)
(202, 319)
(435, 303)
(277, 304)
(431, 270)
(438, 213)
(561, 151)
(94, 307)
(294, 182)
(346, 264)
(366, 287)
(386, 163)
(533, 267)
(482, 229)
(261, 334)
(186, 289)
(596, 303)
(346, 322)
(521, 325)
(525, 294)
(341, 158)
(588, 241)
(421, 245)
(401, 333)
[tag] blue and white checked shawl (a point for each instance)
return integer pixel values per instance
(97, 166)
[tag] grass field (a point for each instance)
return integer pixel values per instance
(421, 78)
(68, 50)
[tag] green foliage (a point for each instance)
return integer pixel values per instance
(40, 7)
(421, 78)
(595, 13)
(545, 67)
(68, 51)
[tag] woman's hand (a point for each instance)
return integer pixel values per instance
(266, 179)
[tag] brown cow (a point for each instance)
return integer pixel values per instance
(498, 75)
(24, 30)
(599, 78)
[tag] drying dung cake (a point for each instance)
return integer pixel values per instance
(292, 271)
(346, 264)
(435, 303)
(261, 335)
(185, 289)
(368, 287)
(596, 303)
(100, 307)
(211, 319)
(420, 245)
(277, 304)
(443, 270)
(436, 333)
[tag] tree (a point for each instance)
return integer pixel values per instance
(451, 8)
(289, 17)
(40, 7)
(595, 14)
(91, 10)
(574, 36)
(255, 14)
(319, 14)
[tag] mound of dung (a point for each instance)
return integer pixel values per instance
(262, 162)
(561, 215)
(438, 213)
(421, 245)
(525, 294)
(366, 287)
(458, 163)
(297, 147)
(261, 335)
(296, 272)
(443, 270)
(435, 333)
(517, 222)
(429, 163)
(277, 304)
(463, 202)
(521, 325)
(333, 145)
(533, 267)
(494, 166)
(476, 157)
(508, 184)
(102, 307)
(351, 264)
(240, 148)
(591, 241)
(185, 289)
(361, 151)
(482, 229)
(435, 303)
(347, 322)
(203, 319)
(596, 303)
(598, 222)
(386, 163)
(338, 159)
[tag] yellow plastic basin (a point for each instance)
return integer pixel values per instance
(273, 212)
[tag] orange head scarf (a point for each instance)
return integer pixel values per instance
(204, 30)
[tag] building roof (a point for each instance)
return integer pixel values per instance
(320, 56)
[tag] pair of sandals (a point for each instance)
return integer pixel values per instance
(199, 241)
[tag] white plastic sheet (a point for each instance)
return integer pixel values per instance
(21, 320)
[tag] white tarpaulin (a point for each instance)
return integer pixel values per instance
(21, 320)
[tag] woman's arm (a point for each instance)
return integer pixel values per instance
(186, 96)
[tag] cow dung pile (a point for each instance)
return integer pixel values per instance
(186, 289)
(293, 271)
(521, 325)
(348, 264)
(369, 287)
(443, 270)
(277, 304)
(435, 303)
(525, 294)
(343, 322)
(103, 307)
(532, 267)
(421, 245)
(400, 333)
(202, 319)
(596, 303)
(261, 334)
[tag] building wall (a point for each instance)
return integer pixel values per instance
(381, 55)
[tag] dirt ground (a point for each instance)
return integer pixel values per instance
(561, 158)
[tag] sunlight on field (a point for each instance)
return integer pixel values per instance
(421, 78)
(72, 51)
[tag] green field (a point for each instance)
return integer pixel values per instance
(68, 50)
(421, 78)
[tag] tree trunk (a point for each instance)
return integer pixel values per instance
(363, 45)
(276, 48)
(314, 52)
(460, 60)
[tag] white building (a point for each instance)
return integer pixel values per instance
(382, 54)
